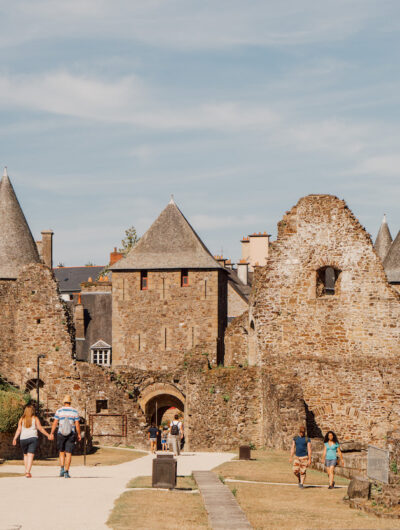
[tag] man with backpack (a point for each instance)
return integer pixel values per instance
(176, 433)
(67, 420)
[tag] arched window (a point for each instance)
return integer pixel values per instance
(327, 278)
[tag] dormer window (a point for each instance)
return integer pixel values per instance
(327, 281)
(144, 281)
(100, 353)
(184, 278)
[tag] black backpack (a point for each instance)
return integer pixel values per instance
(174, 429)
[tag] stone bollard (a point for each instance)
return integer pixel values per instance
(244, 452)
(164, 472)
(359, 488)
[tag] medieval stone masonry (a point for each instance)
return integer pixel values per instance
(319, 343)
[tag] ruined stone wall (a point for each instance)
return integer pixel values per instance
(343, 350)
(236, 341)
(153, 328)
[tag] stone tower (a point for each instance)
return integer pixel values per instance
(383, 240)
(169, 295)
(17, 246)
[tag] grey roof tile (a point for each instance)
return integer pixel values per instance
(17, 246)
(70, 278)
(383, 240)
(170, 243)
(392, 261)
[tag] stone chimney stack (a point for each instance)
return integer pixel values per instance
(221, 260)
(79, 317)
(115, 256)
(47, 248)
(243, 271)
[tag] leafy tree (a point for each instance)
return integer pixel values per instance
(12, 403)
(129, 241)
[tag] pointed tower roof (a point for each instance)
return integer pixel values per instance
(383, 240)
(170, 243)
(392, 261)
(17, 247)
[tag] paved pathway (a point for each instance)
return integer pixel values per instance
(48, 502)
(222, 507)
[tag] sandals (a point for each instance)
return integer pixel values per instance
(28, 475)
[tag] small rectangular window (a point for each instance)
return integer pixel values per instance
(144, 284)
(184, 278)
(101, 404)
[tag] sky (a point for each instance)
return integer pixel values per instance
(236, 108)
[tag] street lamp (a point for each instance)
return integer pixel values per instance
(41, 356)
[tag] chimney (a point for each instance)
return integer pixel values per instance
(79, 317)
(228, 264)
(221, 260)
(47, 248)
(115, 256)
(40, 249)
(243, 271)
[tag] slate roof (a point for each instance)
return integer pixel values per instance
(392, 261)
(17, 246)
(170, 243)
(70, 278)
(242, 289)
(383, 240)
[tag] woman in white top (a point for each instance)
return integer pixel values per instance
(28, 427)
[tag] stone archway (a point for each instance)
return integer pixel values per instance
(156, 399)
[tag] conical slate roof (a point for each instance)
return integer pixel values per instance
(392, 261)
(17, 247)
(170, 243)
(383, 240)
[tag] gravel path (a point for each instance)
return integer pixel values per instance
(48, 502)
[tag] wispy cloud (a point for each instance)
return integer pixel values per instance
(189, 24)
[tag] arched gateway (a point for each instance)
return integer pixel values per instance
(156, 399)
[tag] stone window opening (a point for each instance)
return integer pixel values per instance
(101, 404)
(144, 281)
(205, 288)
(184, 278)
(327, 278)
(100, 353)
(37, 320)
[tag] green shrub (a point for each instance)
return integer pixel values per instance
(12, 405)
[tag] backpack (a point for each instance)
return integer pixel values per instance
(65, 427)
(175, 429)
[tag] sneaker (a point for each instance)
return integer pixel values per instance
(62, 471)
(330, 487)
(67, 475)
(301, 485)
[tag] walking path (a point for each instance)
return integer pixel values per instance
(222, 508)
(48, 502)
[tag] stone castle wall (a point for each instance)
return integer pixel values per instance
(342, 350)
(236, 341)
(153, 328)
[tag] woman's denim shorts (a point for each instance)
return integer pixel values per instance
(331, 463)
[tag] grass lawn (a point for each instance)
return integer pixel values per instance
(182, 483)
(268, 506)
(101, 457)
(143, 509)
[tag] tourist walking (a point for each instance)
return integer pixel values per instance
(330, 456)
(27, 430)
(153, 433)
(176, 434)
(67, 421)
(300, 454)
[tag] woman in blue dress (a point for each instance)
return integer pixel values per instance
(330, 456)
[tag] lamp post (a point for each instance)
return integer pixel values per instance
(41, 356)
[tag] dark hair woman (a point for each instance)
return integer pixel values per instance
(330, 456)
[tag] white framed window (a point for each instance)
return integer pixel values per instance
(100, 353)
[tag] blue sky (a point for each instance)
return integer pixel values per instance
(237, 108)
